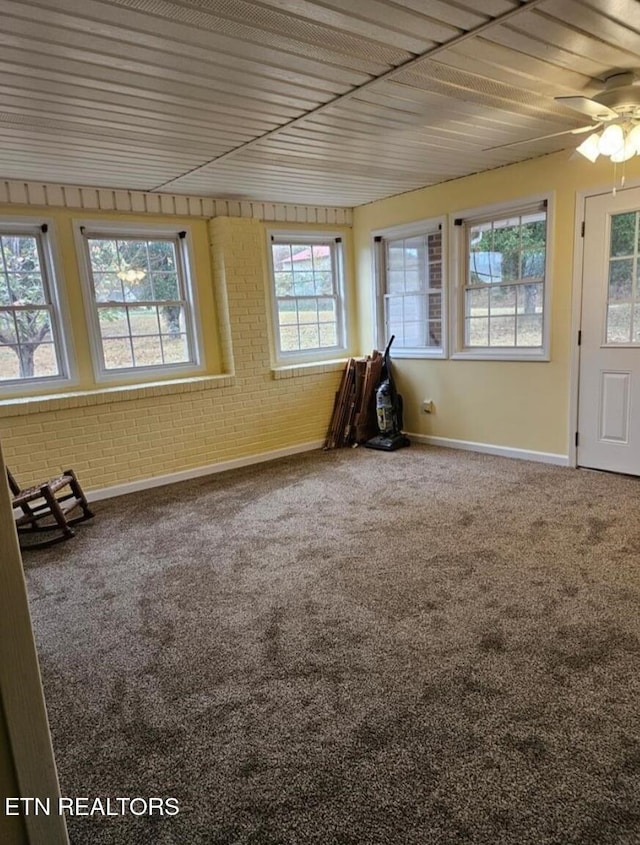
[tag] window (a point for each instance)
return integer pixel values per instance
(410, 272)
(308, 295)
(504, 294)
(141, 310)
(31, 343)
(623, 295)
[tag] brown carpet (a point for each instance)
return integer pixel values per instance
(353, 648)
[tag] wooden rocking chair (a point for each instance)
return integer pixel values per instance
(42, 508)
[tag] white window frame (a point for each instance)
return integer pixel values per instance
(335, 240)
(458, 223)
(379, 237)
(44, 230)
(83, 230)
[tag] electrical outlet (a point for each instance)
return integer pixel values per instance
(427, 406)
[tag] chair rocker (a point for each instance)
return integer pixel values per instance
(44, 507)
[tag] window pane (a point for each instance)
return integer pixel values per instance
(283, 284)
(529, 330)
(618, 323)
(287, 312)
(529, 299)
(435, 333)
(414, 308)
(25, 288)
(307, 311)
(309, 336)
(132, 256)
(147, 351)
(117, 354)
(477, 303)
(435, 275)
(502, 331)
(393, 305)
(477, 331)
(414, 281)
(532, 263)
(103, 255)
(143, 320)
(7, 327)
(162, 256)
(623, 233)
(164, 286)
(435, 306)
(503, 300)
(281, 257)
(636, 323)
(108, 287)
(395, 281)
(113, 322)
(327, 310)
(173, 320)
(485, 267)
(20, 253)
(175, 349)
(395, 255)
(321, 254)
(509, 266)
(9, 364)
(328, 334)
(45, 362)
(324, 283)
(33, 326)
(289, 340)
(620, 279)
(414, 334)
(303, 283)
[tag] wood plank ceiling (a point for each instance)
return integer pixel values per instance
(338, 102)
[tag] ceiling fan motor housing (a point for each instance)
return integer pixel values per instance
(621, 94)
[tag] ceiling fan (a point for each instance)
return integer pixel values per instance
(617, 108)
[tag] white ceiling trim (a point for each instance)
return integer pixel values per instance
(102, 199)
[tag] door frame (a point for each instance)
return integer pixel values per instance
(21, 693)
(576, 307)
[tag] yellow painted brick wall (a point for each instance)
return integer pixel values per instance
(111, 441)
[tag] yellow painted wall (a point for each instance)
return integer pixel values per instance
(114, 438)
(516, 404)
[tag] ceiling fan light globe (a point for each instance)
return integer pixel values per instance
(612, 140)
(628, 151)
(589, 148)
(633, 138)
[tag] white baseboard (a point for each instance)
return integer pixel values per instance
(490, 449)
(197, 472)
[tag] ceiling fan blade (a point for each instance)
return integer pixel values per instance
(592, 127)
(589, 107)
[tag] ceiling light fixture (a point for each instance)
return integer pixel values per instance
(618, 141)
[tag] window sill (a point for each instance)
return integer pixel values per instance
(107, 395)
(500, 356)
(428, 354)
(309, 369)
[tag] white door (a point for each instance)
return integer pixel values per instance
(609, 390)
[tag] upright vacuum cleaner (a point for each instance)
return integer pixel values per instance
(388, 411)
